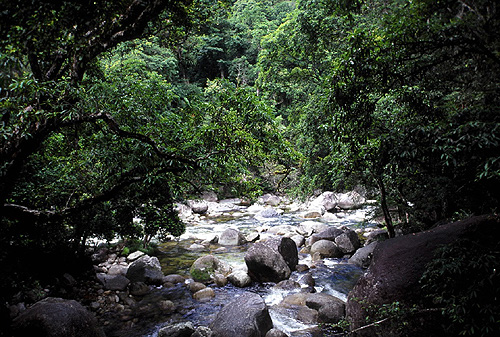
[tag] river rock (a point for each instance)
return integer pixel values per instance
(174, 278)
(198, 206)
(270, 199)
(135, 255)
(350, 200)
(118, 269)
(231, 237)
(398, 265)
(209, 196)
(330, 309)
(287, 248)
(312, 214)
(275, 333)
(298, 239)
(348, 242)
(246, 316)
(202, 331)
(205, 268)
(326, 248)
(268, 212)
(204, 295)
(328, 234)
(146, 269)
(56, 317)
(113, 282)
(220, 280)
(184, 329)
(240, 278)
(138, 289)
(310, 227)
(266, 264)
(195, 286)
(287, 285)
(363, 256)
(327, 200)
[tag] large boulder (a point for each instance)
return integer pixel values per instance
(348, 242)
(363, 256)
(198, 206)
(330, 309)
(326, 248)
(113, 282)
(287, 248)
(328, 234)
(231, 237)
(206, 267)
(146, 269)
(350, 200)
(245, 316)
(56, 317)
(273, 260)
(327, 200)
(397, 266)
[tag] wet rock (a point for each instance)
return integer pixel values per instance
(287, 285)
(308, 280)
(167, 306)
(287, 248)
(177, 330)
(56, 317)
(308, 228)
(113, 282)
(205, 294)
(267, 213)
(307, 315)
(239, 278)
(202, 331)
(145, 269)
(220, 280)
(196, 246)
(270, 199)
(138, 289)
(253, 237)
(328, 234)
(298, 239)
(326, 248)
(312, 214)
(276, 333)
(174, 278)
(266, 264)
(198, 206)
(363, 256)
(348, 242)
(245, 316)
(195, 286)
(350, 200)
(231, 237)
(205, 267)
(330, 309)
(134, 256)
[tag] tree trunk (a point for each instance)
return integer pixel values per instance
(385, 208)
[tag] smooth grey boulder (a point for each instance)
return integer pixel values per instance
(363, 255)
(328, 234)
(239, 278)
(287, 248)
(231, 237)
(326, 248)
(348, 242)
(330, 308)
(113, 282)
(56, 317)
(272, 260)
(246, 316)
(146, 269)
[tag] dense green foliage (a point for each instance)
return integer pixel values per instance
(463, 282)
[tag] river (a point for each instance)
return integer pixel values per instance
(332, 276)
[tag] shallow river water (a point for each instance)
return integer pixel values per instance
(332, 276)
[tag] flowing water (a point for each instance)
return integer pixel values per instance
(332, 276)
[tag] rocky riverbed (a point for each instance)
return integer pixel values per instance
(301, 259)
